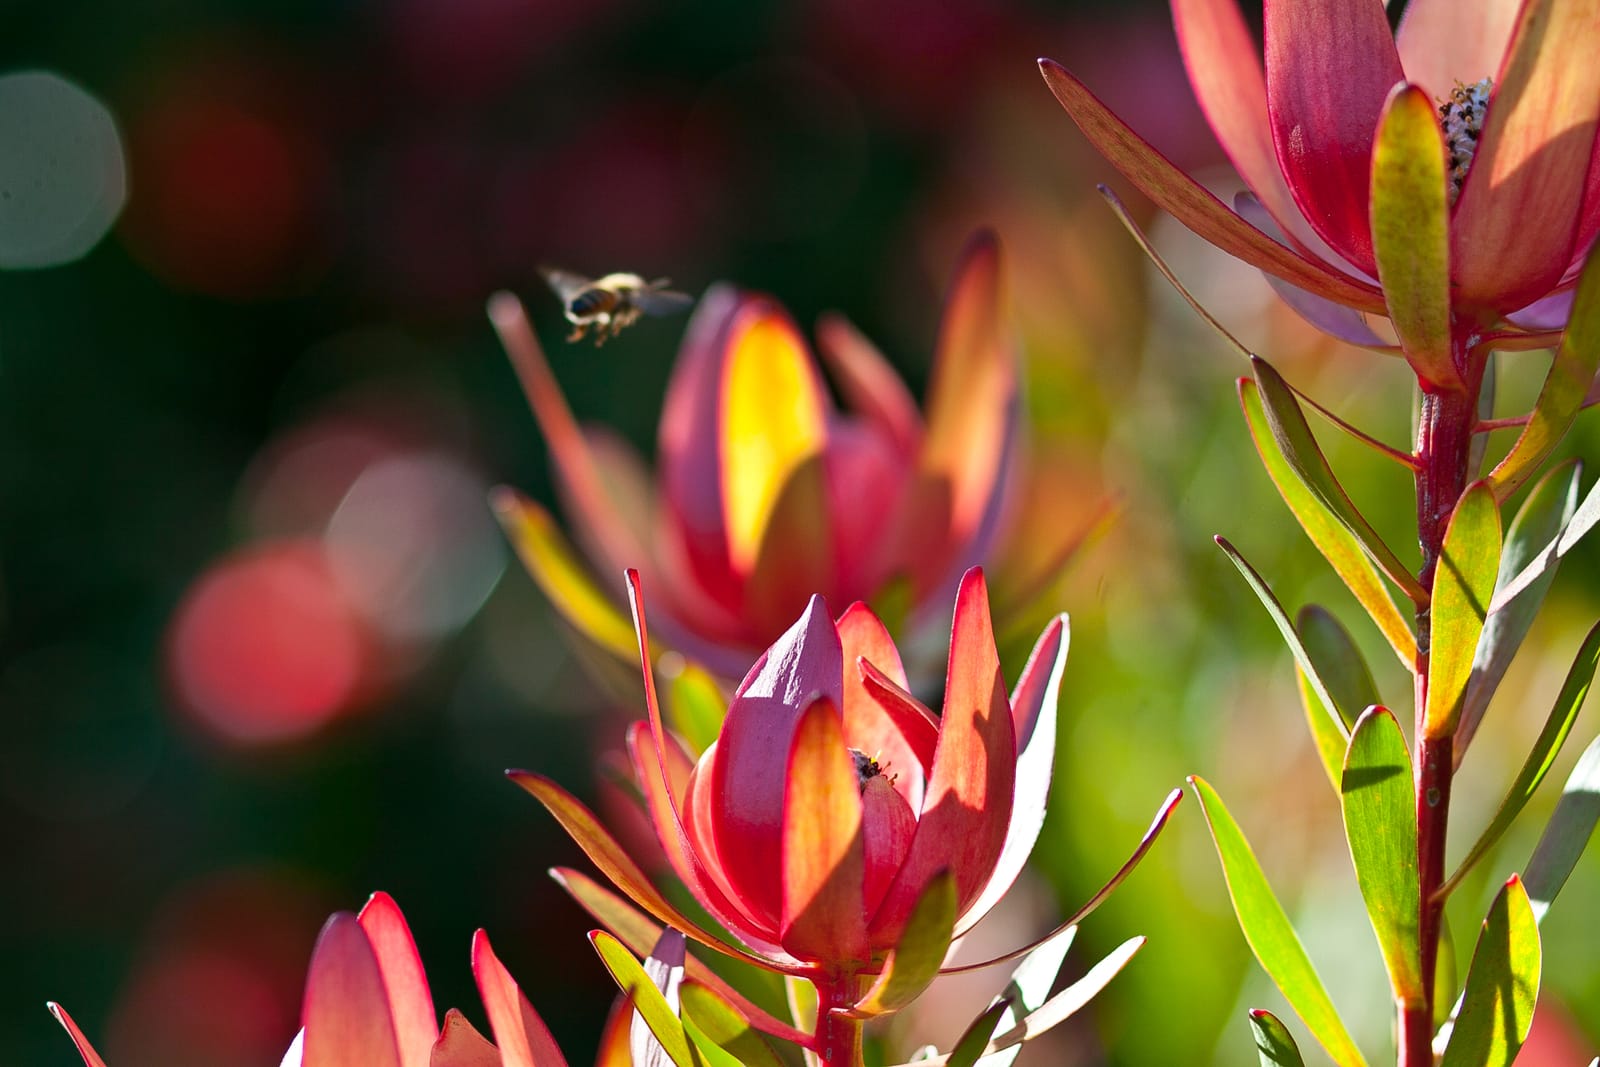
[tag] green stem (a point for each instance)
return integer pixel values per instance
(1443, 468)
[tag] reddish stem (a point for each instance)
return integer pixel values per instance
(838, 1037)
(1444, 441)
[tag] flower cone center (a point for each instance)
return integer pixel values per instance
(1461, 119)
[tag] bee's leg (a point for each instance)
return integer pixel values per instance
(577, 332)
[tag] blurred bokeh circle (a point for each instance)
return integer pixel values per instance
(62, 175)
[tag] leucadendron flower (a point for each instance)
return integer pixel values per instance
(836, 819)
(765, 490)
(367, 1004)
(1444, 176)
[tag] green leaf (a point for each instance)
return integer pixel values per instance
(802, 997)
(1337, 545)
(1583, 520)
(1545, 749)
(1567, 833)
(1326, 722)
(965, 1052)
(1071, 1000)
(1380, 822)
(1299, 446)
(1029, 987)
(1274, 1044)
(1445, 974)
(1054, 1011)
(647, 1000)
(1411, 231)
(1534, 533)
(707, 1013)
(914, 961)
(1502, 985)
(1572, 371)
(692, 701)
(1267, 930)
(713, 1054)
(1463, 585)
(639, 932)
(1339, 664)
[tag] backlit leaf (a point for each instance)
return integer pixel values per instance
(973, 1040)
(1463, 585)
(1411, 231)
(1304, 457)
(1545, 749)
(915, 958)
(1274, 1044)
(1267, 930)
(1534, 532)
(692, 701)
(1330, 723)
(1344, 672)
(1337, 545)
(1380, 824)
(1502, 985)
(722, 1023)
(1567, 833)
(648, 1001)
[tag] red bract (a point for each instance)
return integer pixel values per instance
(766, 492)
(1384, 211)
(367, 1004)
(833, 802)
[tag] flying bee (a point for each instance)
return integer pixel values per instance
(612, 303)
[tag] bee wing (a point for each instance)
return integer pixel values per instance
(661, 301)
(565, 283)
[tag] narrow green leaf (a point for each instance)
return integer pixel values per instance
(1328, 722)
(1274, 1044)
(1535, 532)
(1583, 520)
(1567, 833)
(1339, 664)
(721, 1023)
(914, 961)
(692, 701)
(713, 1054)
(802, 996)
(1029, 988)
(1299, 446)
(1411, 231)
(1545, 749)
(1502, 985)
(1267, 930)
(647, 1000)
(1054, 1011)
(1572, 371)
(1380, 823)
(973, 1040)
(1338, 661)
(1337, 545)
(1445, 974)
(1462, 587)
(1071, 1000)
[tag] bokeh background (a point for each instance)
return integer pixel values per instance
(263, 650)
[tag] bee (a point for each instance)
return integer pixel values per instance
(612, 303)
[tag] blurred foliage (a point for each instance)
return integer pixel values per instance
(320, 197)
